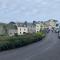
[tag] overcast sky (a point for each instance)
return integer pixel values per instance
(29, 10)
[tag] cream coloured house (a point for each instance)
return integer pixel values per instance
(33, 28)
(52, 24)
(21, 29)
(30, 28)
(38, 27)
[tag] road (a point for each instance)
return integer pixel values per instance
(47, 49)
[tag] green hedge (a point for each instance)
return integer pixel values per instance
(7, 42)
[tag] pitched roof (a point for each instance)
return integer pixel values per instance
(21, 25)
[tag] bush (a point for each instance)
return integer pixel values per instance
(7, 42)
(39, 35)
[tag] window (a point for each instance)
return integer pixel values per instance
(24, 29)
(24, 32)
(20, 32)
(10, 33)
(20, 29)
(37, 31)
(37, 26)
(57, 24)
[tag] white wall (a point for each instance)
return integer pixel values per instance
(23, 29)
(38, 27)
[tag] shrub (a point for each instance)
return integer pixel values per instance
(39, 35)
(7, 42)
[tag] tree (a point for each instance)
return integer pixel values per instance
(12, 23)
(25, 23)
(5, 29)
(34, 22)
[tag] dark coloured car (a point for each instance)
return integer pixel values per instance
(59, 35)
(56, 30)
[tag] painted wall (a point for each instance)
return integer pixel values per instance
(22, 30)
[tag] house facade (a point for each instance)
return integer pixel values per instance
(30, 28)
(12, 32)
(22, 30)
(38, 27)
(51, 23)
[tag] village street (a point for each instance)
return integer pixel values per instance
(47, 49)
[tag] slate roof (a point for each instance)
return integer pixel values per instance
(21, 25)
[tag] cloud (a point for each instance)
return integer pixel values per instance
(44, 3)
(29, 9)
(57, 0)
(23, 8)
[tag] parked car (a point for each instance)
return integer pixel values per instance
(56, 30)
(59, 35)
(47, 30)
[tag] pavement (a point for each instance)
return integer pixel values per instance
(47, 49)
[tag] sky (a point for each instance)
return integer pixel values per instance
(29, 10)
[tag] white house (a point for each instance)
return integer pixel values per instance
(30, 28)
(21, 29)
(38, 27)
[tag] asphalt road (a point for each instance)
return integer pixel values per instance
(47, 49)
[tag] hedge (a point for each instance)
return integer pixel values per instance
(7, 42)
